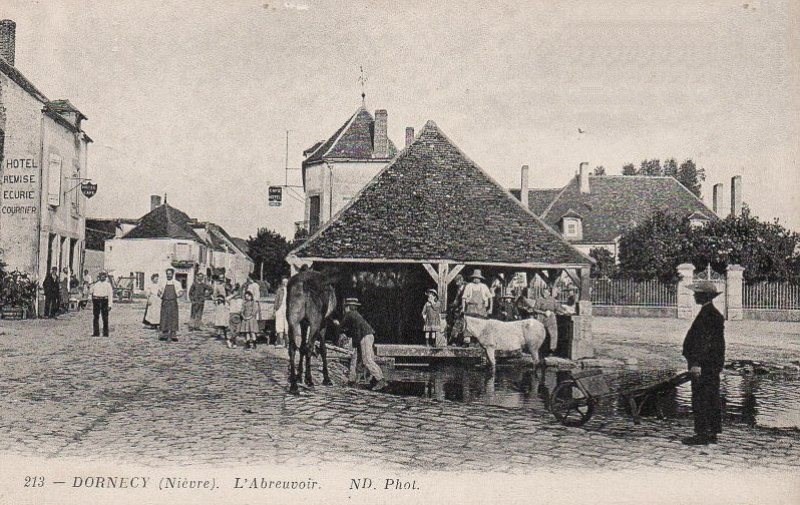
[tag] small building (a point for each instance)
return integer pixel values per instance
(429, 215)
(165, 238)
(43, 161)
(594, 211)
(98, 230)
(334, 170)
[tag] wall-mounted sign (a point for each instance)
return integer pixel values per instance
(88, 189)
(275, 196)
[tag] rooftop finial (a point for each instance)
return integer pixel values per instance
(362, 79)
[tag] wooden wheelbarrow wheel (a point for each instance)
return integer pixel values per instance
(570, 405)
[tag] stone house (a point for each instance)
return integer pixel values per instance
(334, 170)
(165, 238)
(594, 211)
(43, 160)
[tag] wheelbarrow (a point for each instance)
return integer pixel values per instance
(574, 400)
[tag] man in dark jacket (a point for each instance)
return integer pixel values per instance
(704, 350)
(52, 292)
(197, 295)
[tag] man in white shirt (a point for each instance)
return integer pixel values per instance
(102, 295)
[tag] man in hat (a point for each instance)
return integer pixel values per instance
(704, 350)
(477, 298)
(358, 329)
(102, 295)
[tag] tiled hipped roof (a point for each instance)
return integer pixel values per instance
(617, 202)
(353, 140)
(164, 222)
(433, 203)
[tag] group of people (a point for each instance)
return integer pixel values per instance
(237, 309)
(59, 288)
(476, 299)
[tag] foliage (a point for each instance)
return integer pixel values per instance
(300, 236)
(18, 290)
(600, 170)
(691, 176)
(268, 250)
(653, 249)
(767, 251)
(687, 173)
(605, 266)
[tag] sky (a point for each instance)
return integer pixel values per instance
(194, 99)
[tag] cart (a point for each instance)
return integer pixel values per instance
(573, 401)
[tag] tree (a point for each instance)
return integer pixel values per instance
(600, 170)
(691, 177)
(767, 251)
(670, 168)
(605, 266)
(629, 169)
(654, 248)
(650, 168)
(268, 250)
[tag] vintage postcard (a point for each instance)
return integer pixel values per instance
(317, 251)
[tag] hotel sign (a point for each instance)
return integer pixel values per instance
(275, 196)
(88, 189)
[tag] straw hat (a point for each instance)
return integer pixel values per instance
(705, 287)
(476, 274)
(432, 292)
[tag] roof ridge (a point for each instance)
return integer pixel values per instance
(343, 130)
(558, 196)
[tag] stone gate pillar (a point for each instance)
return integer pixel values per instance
(734, 280)
(685, 296)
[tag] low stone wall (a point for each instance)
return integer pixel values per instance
(772, 315)
(633, 311)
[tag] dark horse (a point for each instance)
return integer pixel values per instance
(310, 301)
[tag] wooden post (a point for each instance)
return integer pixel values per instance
(442, 275)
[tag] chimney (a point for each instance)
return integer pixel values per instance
(736, 196)
(155, 201)
(584, 177)
(380, 148)
(717, 201)
(523, 185)
(8, 38)
(409, 135)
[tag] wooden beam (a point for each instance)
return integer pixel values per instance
(574, 277)
(433, 273)
(453, 272)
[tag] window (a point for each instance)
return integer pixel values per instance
(314, 213)
(183, 252)
(54, 181)
(571, 228)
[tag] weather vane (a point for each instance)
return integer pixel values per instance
(362, 79)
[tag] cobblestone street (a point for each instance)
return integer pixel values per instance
(131, 398)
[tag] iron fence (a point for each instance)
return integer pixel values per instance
(771, 295)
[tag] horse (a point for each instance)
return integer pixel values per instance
(310, 301)
(494, 335)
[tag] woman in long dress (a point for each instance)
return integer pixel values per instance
(152, 312)
(169, 292)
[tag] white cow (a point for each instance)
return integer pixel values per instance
(493, 335)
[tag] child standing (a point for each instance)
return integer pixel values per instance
(249, 320)
(222, 314)
(431, 318)
(234, 319)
